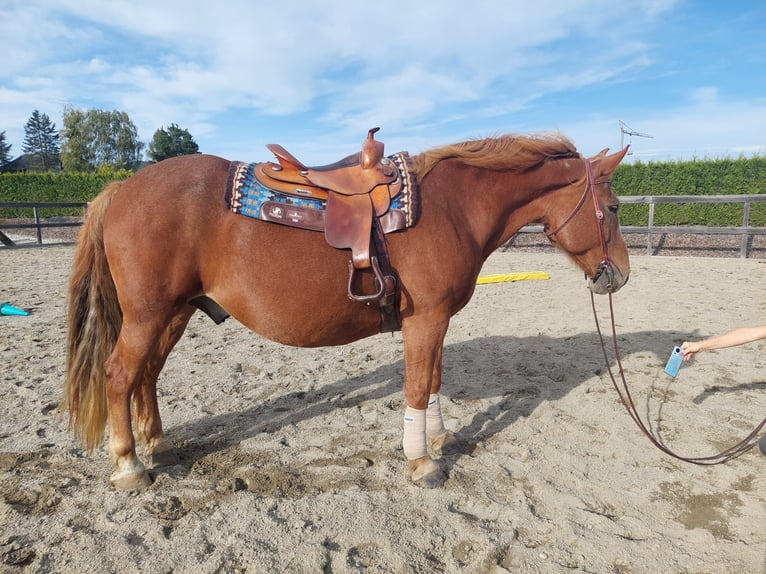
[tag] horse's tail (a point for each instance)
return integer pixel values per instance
(94, 319)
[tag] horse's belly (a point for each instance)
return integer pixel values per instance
(302, 322)
(296, 294)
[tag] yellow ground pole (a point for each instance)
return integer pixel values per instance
(503, 277)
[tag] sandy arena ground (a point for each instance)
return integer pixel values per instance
(289, 460)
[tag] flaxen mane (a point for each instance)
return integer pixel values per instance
(514, 153)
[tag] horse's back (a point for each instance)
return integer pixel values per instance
(188, 182)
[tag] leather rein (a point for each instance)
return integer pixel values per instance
(622, 389)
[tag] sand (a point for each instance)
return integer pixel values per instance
(289, 460)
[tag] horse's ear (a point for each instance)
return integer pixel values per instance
(608, 163)
(602, 153)
(622, 153)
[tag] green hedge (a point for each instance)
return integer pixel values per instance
(704, 177)
(54, 187)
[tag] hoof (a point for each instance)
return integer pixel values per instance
(433, 480)
(425, 473)
(133, 478)
(762, 445)
(135, 482)
(445, 444)
(162, 454)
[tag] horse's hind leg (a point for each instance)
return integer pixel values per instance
(148, 422)
(126, 368)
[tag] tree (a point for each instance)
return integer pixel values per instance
(41, 143)
(75, 153)
(171, 142)
(99, 138)
(5, 150)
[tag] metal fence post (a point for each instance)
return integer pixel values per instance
(37, 224)
(745, 234)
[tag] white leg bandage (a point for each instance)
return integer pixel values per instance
(434, 421)
(414, 440)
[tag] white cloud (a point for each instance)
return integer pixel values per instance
(422, 70)
(712, 130)
(705, 95)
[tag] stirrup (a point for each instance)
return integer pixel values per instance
(382, 283)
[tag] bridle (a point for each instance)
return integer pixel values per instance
(622, 389)
(590, 187)
(606, 264)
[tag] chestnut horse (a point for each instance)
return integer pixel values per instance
(164, 237)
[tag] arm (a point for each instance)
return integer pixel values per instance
(730, 339)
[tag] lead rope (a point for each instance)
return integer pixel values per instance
(624, 393)
(627, 401)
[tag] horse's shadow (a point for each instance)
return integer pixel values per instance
(519, 372)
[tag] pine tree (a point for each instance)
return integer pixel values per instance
(171, 142)
(5, 150)
(41, 142)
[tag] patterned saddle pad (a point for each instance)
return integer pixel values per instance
(246, 195)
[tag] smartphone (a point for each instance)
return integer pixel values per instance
(674, 362)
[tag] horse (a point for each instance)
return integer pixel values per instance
(163, 238)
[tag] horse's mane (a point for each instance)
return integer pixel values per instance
(506, 152)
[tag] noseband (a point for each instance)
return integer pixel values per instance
(606, 264)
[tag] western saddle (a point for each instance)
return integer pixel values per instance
(358, 190)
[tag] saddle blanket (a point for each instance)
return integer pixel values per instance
(247, 196)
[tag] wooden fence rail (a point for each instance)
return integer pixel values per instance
(38, 224)
(745, 230)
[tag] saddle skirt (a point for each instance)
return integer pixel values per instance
(265, 191)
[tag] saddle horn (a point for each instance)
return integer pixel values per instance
(372, 151)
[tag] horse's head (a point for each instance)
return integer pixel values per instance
(585, 224)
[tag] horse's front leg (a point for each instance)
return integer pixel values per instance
(423, 343)
(439, 438)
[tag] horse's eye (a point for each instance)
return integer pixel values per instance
(614, 208)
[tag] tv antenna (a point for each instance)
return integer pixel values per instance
(626, 129)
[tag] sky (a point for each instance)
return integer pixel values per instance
(315, 75)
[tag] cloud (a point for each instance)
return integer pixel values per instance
(428, 72)
(704, 95)
(710, 130)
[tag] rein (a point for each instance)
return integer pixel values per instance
(622, 390)
(627, 401)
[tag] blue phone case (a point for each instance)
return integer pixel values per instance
(674, 362)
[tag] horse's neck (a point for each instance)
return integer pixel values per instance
(495, 204)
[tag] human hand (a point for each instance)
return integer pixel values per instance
(689, 349)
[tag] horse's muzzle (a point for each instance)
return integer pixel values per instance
(608, 279)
